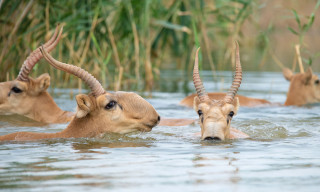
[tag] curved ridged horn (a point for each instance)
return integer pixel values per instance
(202, 94)
(92, 82)
(237, 78)
(36, 55)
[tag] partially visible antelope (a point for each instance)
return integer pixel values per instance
(244, 101)
(215, 115)
(99, 112)
(304, 87)
(28, 96)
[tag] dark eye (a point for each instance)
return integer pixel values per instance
(231, 114)
(16, 90)
(317, 81)
(200, 113)
(111, 104)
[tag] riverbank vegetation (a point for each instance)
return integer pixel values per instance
(126, 44)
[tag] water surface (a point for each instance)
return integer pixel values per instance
(282, 154)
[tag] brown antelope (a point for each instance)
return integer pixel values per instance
(215, 115)
(244, 101)
(304, 87)
(29, 97)
(99, 112)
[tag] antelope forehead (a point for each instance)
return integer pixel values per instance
(20, 84)
(132, 101)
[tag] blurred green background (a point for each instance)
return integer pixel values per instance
(126, 44)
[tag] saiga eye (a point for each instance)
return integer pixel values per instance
(111, 104)
(200, 113)
(16, 90)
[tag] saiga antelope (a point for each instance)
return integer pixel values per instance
(29, 97)
(215, 115)
(304, 89)
(99, 112)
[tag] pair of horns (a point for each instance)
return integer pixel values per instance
(92, 82)
(203, 95)
(36, 55)
(43, 50)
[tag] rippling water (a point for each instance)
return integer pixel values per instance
(283, 153)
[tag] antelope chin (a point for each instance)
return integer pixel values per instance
(146, 128)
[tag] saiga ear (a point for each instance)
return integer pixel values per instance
(42, 83)
(84, 105)
(236, 104)
(196, 102)
(307, 76)
(287, 73)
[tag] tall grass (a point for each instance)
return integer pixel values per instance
(123, 43)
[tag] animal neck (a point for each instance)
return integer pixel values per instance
(294, 96)
(48, 111)
(83, 127)
(29, 136)
(78, 127)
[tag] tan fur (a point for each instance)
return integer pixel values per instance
(33, 102)
(244, 101)
(130, 113)
(176, 122)
(304, 88)
(215, 120)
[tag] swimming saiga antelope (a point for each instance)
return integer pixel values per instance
(304, 89)
(27, 96)
(99, 112)
(215, 115)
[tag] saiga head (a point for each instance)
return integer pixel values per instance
(215, 115)
(24, 94)
(304, 87)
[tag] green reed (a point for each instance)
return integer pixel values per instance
(124, 43)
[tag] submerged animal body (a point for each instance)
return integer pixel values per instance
(244, 101)
(304, 89)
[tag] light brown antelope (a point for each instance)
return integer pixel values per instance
(99, 112)
(304, 87)
(29, 97)
(244, 101)
(215, 115)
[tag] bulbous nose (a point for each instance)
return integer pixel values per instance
(155, 121)
(213, 138)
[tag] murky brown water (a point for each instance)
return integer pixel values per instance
(283, 153)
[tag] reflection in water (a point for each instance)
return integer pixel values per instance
(90, 145)
(216, 166)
